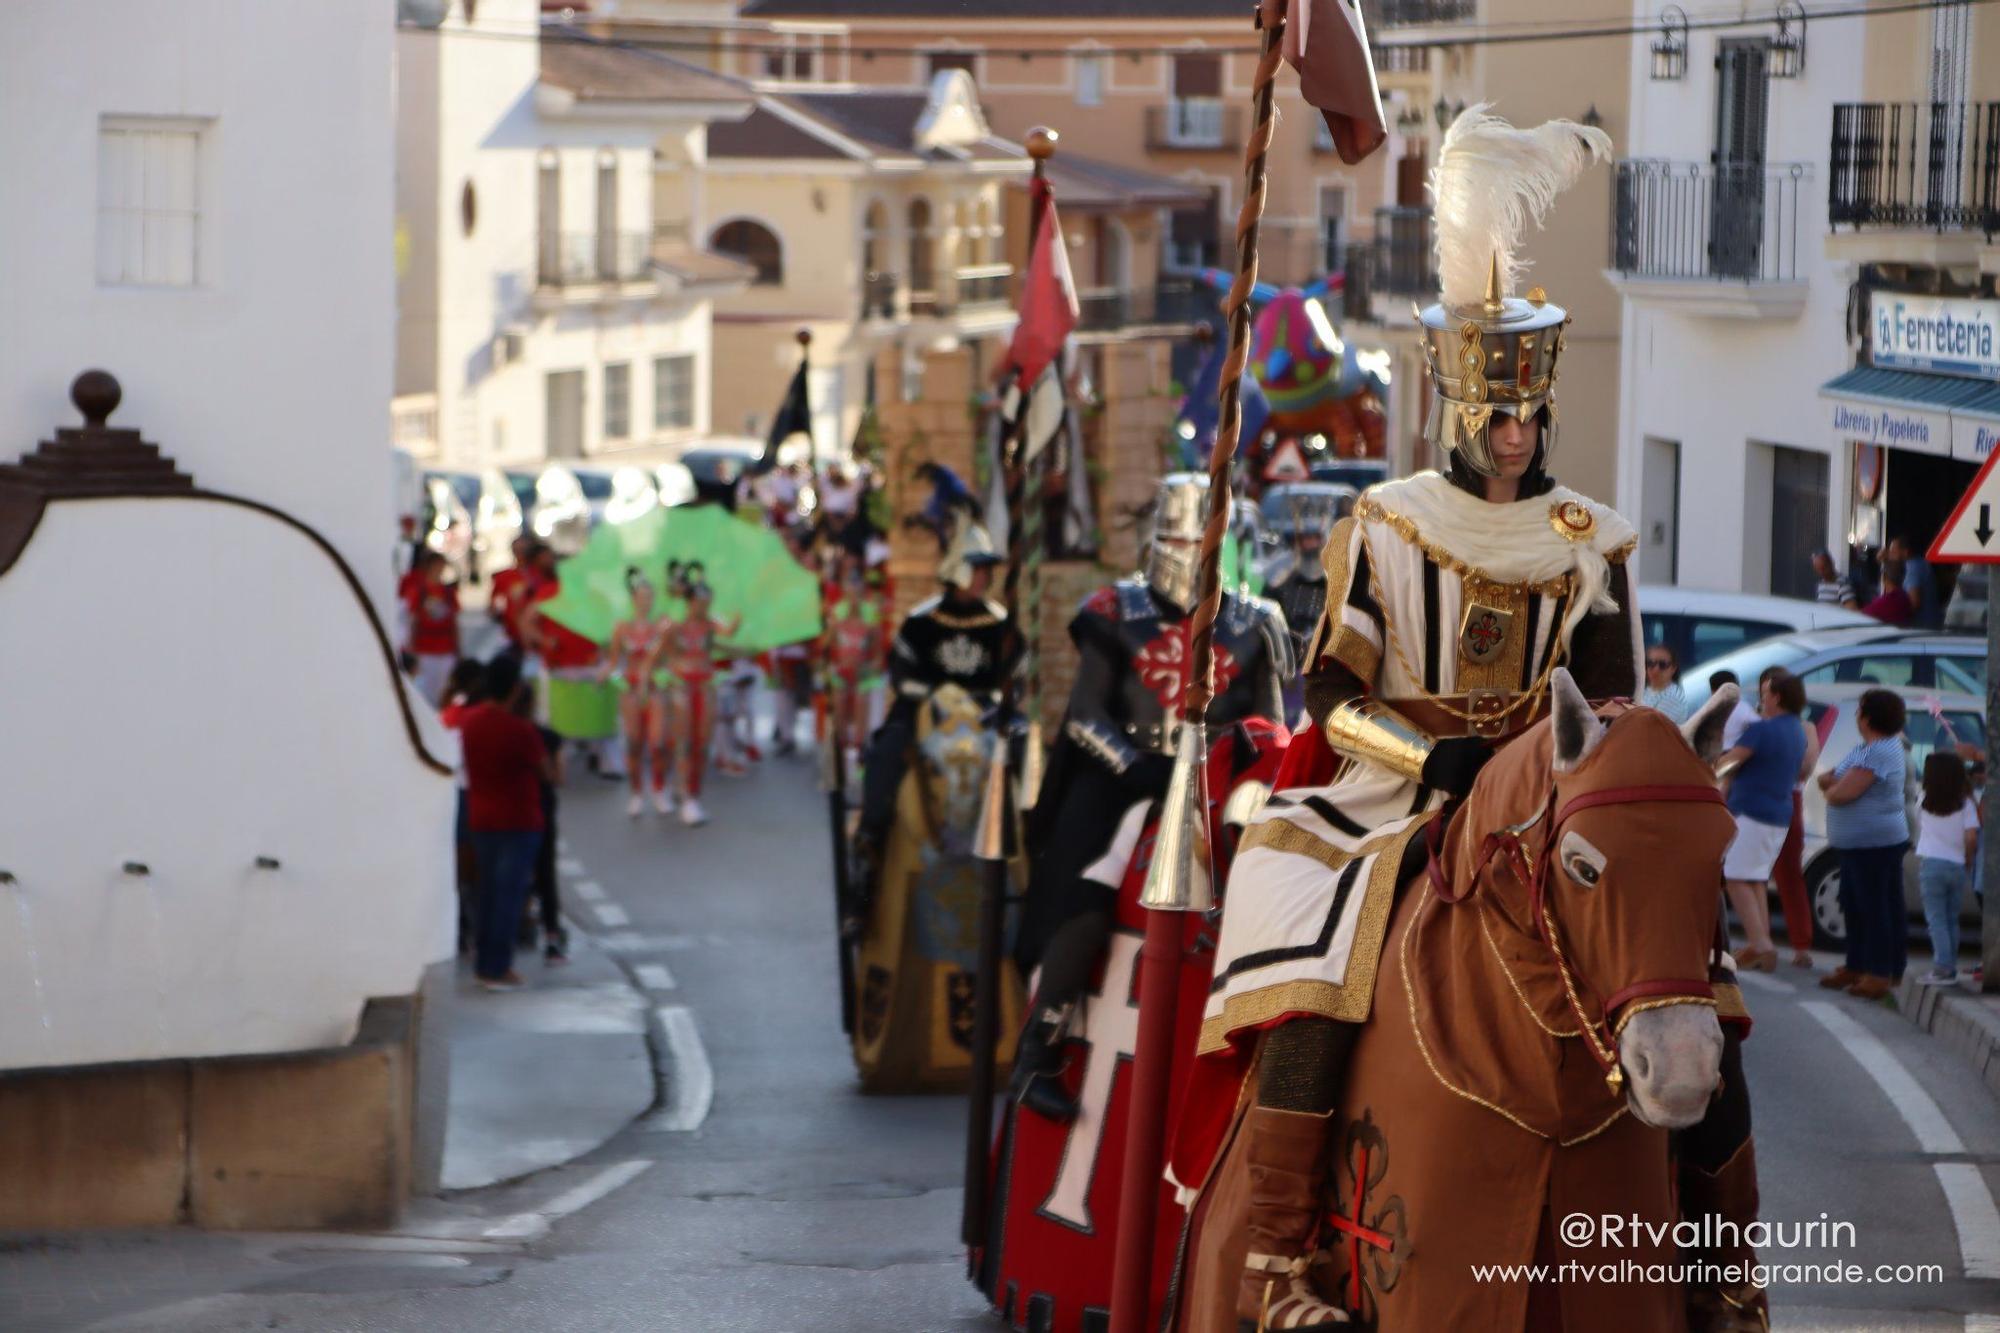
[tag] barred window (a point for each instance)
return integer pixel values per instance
(673, 393)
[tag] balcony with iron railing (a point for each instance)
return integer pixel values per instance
(1416, 13)
(1170, 301)
(981, 286)
(1194, 124)
(1716, 240)
(878, 295)
(1915, 166)
(1403, 264)
(593, 258)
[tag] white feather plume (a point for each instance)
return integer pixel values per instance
(1489, 180)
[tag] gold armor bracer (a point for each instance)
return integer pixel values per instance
(1371, 731)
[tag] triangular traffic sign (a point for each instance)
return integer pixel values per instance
(1287, 463)
(1971, 536)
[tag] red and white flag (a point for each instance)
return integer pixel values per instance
(1327, 44)
(1049, 311)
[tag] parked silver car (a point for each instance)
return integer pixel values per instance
(1698, 624)
(1934, 720)
(1874, 654)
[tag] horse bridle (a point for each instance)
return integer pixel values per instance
(1508, 845)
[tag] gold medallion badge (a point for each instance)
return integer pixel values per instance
(1572, 520)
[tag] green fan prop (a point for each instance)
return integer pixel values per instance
(751, 572)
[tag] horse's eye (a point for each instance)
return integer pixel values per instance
(1581, 869)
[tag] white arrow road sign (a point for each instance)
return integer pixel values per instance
(1972, 534)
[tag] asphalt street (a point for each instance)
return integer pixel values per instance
(764, 1192)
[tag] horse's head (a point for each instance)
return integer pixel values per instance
(1614, 831)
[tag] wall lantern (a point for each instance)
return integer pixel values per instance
(1788, 48)
(1446, 112)
(1670, 48)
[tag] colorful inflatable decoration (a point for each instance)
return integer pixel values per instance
(1314, 381)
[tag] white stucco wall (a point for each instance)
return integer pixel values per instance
(1717, 385)
(469, 112)
(271, 377)
(208, 691)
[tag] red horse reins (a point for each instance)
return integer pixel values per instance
(1507, 845)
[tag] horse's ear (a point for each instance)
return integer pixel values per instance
(1704, 729)
(1577, 729)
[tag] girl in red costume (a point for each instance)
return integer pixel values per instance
(431, 613)
(687, 652)
(856, 652)
(642, 702)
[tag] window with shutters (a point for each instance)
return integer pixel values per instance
(1332, 228)
(1194, 116)
(1089, 66)
(1736, 215)
(673, 393)
(617, 401)
(149, 202)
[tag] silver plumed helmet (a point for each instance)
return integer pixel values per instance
(970, 549)
(1173, 562)
(1487, 351)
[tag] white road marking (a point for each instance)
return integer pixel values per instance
(611, 914)
(1758, 981)
(654, 976)
(530, 1225)
(691, 1088)
(569, 865)
(1982, 1323)
(1934, 1133)
(589, 890)
(631, 941)
(1977, 1220)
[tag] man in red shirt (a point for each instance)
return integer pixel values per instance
(430, 607)
(1892, 606)
(505, 762)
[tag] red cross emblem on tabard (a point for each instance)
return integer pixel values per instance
(1364, 1162)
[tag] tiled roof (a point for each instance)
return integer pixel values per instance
(606, 71)
(883, 124)
(695, 266)
(999, 10)
(1087, 183)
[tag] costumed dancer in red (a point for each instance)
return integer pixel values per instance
(856, 651)
(430, 603)
(686, 651)
(642, 702)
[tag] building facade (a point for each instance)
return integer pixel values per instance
(542, 313)
(1809, 317)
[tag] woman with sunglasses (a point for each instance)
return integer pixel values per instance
(1662, 689)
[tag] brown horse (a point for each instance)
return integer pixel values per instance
(1542, 1017)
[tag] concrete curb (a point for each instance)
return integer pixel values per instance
(1968, 1024)
(546, 1075)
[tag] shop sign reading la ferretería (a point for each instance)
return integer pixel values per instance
(1940, 334)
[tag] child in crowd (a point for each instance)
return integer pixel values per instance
(1947, 837)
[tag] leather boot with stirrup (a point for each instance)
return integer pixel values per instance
(1037, 1083)
(1287, 1153)
(1728, 1195)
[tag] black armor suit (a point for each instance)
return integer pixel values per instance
(1115, 754)
(1306, 513)
(957, 638)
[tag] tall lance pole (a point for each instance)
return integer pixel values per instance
(833, 778)
(993, 842)
(1989, 845)
(1176, 881)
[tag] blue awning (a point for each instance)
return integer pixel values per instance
(1909, 388)
(1936, 414)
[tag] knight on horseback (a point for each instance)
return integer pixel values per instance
(1454, 601)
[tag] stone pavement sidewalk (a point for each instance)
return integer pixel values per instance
(543, 1075)
(1965, 1020)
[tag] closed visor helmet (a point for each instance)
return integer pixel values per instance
(1498, 356)
(970, 549)
(1173, 554)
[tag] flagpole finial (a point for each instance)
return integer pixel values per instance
(803, 337)
(1042, 143)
